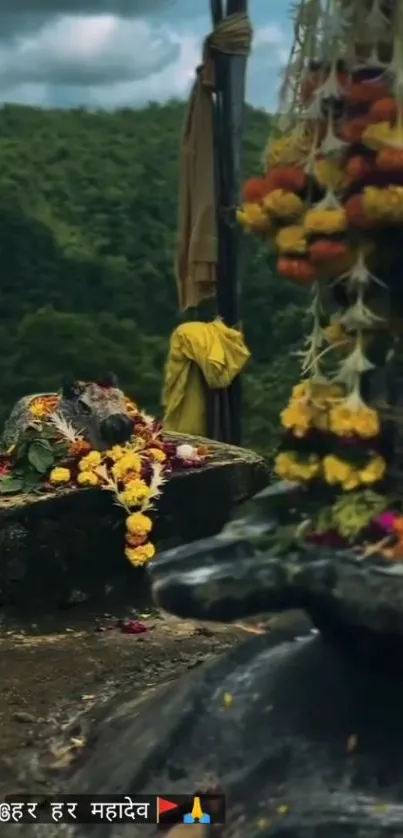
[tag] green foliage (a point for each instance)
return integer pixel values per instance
(87, 233)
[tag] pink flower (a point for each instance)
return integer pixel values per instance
(386, 520)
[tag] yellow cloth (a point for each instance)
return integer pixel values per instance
(209, 351)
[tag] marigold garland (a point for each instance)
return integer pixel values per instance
(342, 158)
(366, 92)
(390, 160)
(325, 221)
(384, 205)
(330, 174)
(254, 219)
(354, 130)
(357, 168)
(287, 178)
(283, 204)
(385, 110)
(253, 190)
(357, 215)
(134, 472)
(325, 250)
(291, 240)
(299, 270)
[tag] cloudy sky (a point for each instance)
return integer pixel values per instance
(113, 53)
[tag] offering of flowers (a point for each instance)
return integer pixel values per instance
(51, 455)
(329, 202)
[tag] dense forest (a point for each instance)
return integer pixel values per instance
(87, 234)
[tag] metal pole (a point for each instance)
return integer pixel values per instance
(230, 97)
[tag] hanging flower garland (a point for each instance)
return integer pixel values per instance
(332, 185)
(52, 456)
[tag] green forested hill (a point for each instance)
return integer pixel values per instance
(87, 232)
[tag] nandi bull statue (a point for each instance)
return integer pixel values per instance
(97, 410)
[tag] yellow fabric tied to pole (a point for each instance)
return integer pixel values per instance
(210, 351)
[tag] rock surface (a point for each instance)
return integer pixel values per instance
(354, 600)
(70, 544)
(301, 742)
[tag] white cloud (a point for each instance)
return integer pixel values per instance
(86, 51)
(19, 16)
(112, 59)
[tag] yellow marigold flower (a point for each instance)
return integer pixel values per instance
(130, 462)
(283, 464)
(345, 422)
(139, 556)
(290, 150)
(336, 470)
(382, 134)
(87, 478)
(43, 406)
(287, 467)
(324, 394)
(90, 461)
(384, 204)
(330, 175)
(374, 471)
(299, 391)
(291, 239)
(135, 493)
(340, 420)
(59, 475)
(352, 482)
(138, 524)
(157, 454)
(367, 423)
(325, 221)
(283, 204)
(38, 410)
(116, 453)
(253, 218)
(298, 418)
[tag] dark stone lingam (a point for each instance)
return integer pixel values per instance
(304, 736)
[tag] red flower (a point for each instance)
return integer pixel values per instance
(354, 208)
(299, 270)
(357, 168)
(286, 177)
(253, 190)
(385, 110)
(325, 250)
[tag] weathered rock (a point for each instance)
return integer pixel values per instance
(355, 600)
(309, 746)
(74, 539)
(303, 739)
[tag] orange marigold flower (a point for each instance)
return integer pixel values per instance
(390, 159)
(253, 190)
(353, 130)
(324, 250)
(365, 92)
(357, 168)
(289, 178)
(385, 110)
(356, 214)
(79, 447)
(299, 270)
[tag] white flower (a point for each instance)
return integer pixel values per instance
(187, 452)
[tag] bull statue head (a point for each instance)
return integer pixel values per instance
(95, 409)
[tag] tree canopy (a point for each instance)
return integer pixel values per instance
(87, 234)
